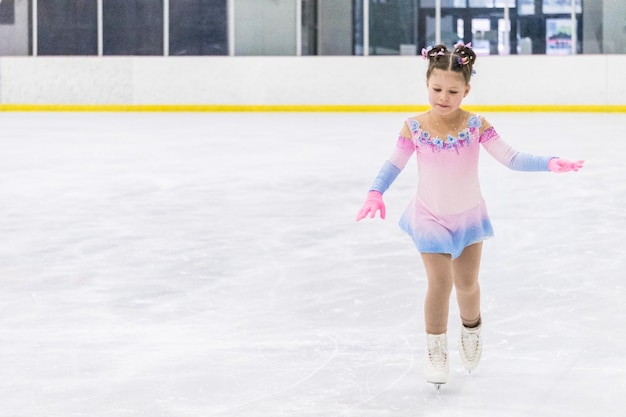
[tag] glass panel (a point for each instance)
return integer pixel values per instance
(198, 27)
(7, 12)
(560, 6)
(481, 36)
(132, 27)
(449, 29)
(309, 27)
(504, 29)
(444, 3)
(334, 29)
(491, 3)
(265, 27)
(357, 23)
(526, 7)
(14, 28)
(67, 27)
(392, 28)
(531, 34)
(502, 3)
(481, 3)
(460, 28)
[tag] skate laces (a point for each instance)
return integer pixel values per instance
(437, 354)
(470, 342)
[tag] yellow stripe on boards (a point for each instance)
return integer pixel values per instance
(401, 108)
(549, 108)
(210, 108)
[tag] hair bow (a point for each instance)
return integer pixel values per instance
(426, 53)
(460, 43)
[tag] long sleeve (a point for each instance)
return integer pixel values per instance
(509, 157)
(394, 165)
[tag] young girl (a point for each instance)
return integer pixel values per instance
(447, 219)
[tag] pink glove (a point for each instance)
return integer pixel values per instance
(373, 203)
(563, 165)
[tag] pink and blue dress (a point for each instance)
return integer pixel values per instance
(448, 212)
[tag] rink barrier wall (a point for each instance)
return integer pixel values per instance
(584, 83)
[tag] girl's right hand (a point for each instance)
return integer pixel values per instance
(373, 203)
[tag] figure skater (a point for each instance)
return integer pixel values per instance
(447, 219)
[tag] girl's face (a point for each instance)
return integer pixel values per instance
(446, 91)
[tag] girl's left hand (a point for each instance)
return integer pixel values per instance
(563, 165)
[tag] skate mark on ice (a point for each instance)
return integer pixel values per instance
(387, 388)
(289, 387)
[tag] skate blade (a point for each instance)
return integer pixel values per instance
(437, 385)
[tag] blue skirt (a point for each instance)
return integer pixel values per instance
(449, 233)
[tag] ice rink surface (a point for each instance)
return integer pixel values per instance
(209, 264)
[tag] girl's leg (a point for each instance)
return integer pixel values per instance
(440, 281)
(465, 270)
(439, 273)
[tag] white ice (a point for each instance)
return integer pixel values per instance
(209, 264)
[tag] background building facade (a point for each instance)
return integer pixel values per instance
(308, 27)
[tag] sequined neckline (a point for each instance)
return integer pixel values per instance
(436, 143)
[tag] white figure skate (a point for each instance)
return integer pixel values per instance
(436, 368)
(470, 347)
